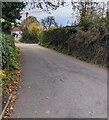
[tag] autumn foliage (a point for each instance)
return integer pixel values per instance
(34, 28)
(30, 28)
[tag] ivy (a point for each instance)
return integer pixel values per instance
(8, 56)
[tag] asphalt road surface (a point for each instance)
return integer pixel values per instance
(59, 86)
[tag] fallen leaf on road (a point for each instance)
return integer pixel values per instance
(46, 97)
(11, 108)
(12, 89)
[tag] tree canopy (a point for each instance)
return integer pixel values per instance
(79, 8)
(11, 12)
(28, 21)
(48, 22)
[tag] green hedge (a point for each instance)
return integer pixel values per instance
(57, 38)
(9, 56)
(90, 46)
(29, 38)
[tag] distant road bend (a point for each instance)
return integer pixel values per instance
(59, 86)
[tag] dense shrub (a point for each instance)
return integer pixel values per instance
(57, 38)
(30, 28)
(0, 51)
(30, 34)
(90, 45)
(9, 56)
(86, 23)
(28, 37)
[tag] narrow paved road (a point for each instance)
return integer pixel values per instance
(58, 86)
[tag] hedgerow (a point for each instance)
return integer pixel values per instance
(9, 54)
(90, 45)
(57, 38)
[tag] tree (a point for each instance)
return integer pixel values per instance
(79, 8)
(11, 12)
(107, 13)
(48, 22)
(46, 5)
(25, 24)
(29, 20)
(30, 28)
(34, 28)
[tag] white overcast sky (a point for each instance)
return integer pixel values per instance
(63, 16)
